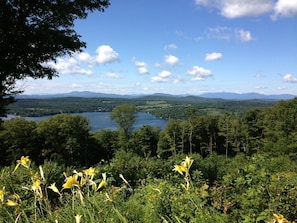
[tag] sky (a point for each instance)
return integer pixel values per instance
(181, 47)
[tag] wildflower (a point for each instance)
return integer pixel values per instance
(11, 203)
(36, 185)
(91, 172)
(180, 168)
(24, 161)
(41, 173)
(188, 161)
(71, 182)
(2, 192)
(280, 218)
(16, 197)
(77, 218)
(103, 183)
(54, 188)
(125, 181)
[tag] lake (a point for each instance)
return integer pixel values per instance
(101, 120)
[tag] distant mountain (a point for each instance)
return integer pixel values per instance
(247, 96)
(213, 95)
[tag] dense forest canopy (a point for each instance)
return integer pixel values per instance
(160, 106)
(237, 168)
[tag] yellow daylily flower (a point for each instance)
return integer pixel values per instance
(180, 168)
(71, 182)
(91, 172)
(16, 197)
(188, 161)
(54, 188)
(103, 183)
(280, 218)
(24, 161)
(125, 181)
(36, 185)
(41, 173)
(11, 203)
(2, 192)
(77, 218)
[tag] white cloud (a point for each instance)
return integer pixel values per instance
(170, 47)
(199, 72)
(74, 85)
(285, 8)
(113, 75)
(213, 56)
(83, 56)
(281, 88)
(171, 60)
(243, 35)
(162, 76)
(236, 9)
(106, 54)
(220, 32)
(157, 65)
(142, 67)
(68, 66)
(178, 80)
(290, 78)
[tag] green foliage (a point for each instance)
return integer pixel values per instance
(162, 107)
(18, 137)
(125, 116)
(65, 138)
(33, 33)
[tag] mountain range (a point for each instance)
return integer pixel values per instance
(218, 95)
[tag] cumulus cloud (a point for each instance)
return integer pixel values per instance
(76, 63)
(171, 60)
(252, 8)
(285, 8)
(142, 67)
(213, 56)
(83, 56)
(68, 66)
(290, 78)
(199, 73)
(106, 54)
(161, 76)
(244, 35)
(237, 9)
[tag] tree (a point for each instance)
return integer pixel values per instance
(191, 114)
(125, 115)
(225, 128)
(33, 33)
(18, 139)
(65, 138)
(145, 141)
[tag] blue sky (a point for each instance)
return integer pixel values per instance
(182, 47)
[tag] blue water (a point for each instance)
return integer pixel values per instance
(101, 120)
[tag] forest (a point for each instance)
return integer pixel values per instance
(168, 107)
(229, 166)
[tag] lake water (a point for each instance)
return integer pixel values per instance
(101, 120)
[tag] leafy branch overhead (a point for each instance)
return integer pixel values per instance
(35, 32)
